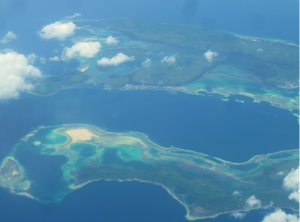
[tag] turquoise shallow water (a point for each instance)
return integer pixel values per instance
(110, 201)
(135, 201)
(229, 130)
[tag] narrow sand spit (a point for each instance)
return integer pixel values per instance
(80, 135)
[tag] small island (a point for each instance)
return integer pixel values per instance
(206, 186)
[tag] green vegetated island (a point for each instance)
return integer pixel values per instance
(266, 70)
(204, 185)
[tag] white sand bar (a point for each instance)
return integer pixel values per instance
(80, 135)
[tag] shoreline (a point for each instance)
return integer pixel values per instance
(187, 216)
(272, 39)
(276, 100)
(184, 89)
(63, 129)
(195, 92)
(167, 148)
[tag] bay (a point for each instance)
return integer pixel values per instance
(108, 201)
(229, 130)
(190, 122)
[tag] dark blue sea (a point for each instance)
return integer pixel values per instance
(229, 130)
(108, 201)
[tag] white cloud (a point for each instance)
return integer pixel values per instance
(8, 37)
(281, 173)
(236, 193)
(280, 216)
(73, 16)
(294, 196)
(237, 215)
(58, 30)
(55, 58)
(116, 60)
(15, 74)
(209, 55)
(6, 50)
(31, 58)
(170, 60)
(259, 50)
(43, 60)
(291, 182)
(269, 205)
(111, 40)
(252, 202)
(84, 49)
(146, 63)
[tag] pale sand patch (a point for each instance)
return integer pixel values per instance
(37, 143)
(80, 135)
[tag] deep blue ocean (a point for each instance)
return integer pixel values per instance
(229, 130)
(108, 201)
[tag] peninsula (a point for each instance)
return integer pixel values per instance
(206, 186)
(183, 58)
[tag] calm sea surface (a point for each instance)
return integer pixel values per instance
(229, 130)
(108, 201)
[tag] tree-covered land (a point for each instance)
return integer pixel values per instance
(275, 62)
(204, 185)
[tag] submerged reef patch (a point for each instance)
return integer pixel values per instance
(204, 185)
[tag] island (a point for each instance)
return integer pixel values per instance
(206, 186)
(183, 58)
